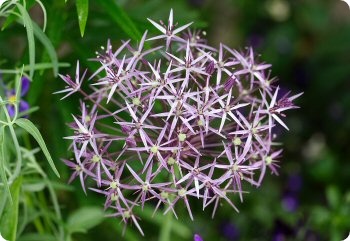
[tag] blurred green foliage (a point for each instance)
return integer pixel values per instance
(308, 44)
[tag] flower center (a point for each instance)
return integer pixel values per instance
(182, 192)
(87, 118)
(237, 141)
(114, 197)
(136, 101)
(78, 168)
(114, 185)
(171, 161)
(127, 214)
(95, 159)
(164, 195)
(182, 137)
(12, 99)
(145, 187)
(268, 160)
(154, 149)
(235, 167)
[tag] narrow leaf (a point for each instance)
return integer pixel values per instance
(9, 220)
(2, 162)
(44, 12)
(166, 228)
(48, 46)
(31, 129)
(30, 36)
(83, 10)
(39, 66)
(121, 18)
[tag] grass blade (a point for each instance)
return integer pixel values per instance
(83, 10)
(2, 162)
(9, 220)
(48, 46)
(30, 36)
(31, 129)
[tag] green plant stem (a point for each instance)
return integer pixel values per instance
(15, 142)
(165, 231)
(18, 152)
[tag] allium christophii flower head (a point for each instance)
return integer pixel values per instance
(180, 121)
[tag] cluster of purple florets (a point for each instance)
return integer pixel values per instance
(176, 122)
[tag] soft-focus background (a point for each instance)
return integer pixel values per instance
(308, 44)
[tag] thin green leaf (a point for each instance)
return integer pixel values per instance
(84, 218)
(2, 163)
(83, 11)
(30, 36)
(36, 67)
(9, 20)
(121, 18)
(27, 112)
(31, 129)
(34, 187)
(48, 46)
(44, 13)
(166, 228)
(9, 220)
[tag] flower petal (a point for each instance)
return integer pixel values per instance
(25, 85)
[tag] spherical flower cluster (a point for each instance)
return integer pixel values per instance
(176, 122)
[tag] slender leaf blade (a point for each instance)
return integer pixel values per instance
(48, 46)
(83, 11)
(30, 36)
(9, 220)
(31, 129)
(2, 163)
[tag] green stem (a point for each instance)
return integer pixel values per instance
(18, 152)
(15, 142)
(166, 229)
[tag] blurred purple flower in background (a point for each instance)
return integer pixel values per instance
(282, 231)
(197, 238)
(11, 96)
(229, 231)
(290, 200)
(294, 183)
